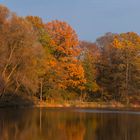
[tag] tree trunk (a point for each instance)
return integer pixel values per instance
(41, 82)
(127, 80)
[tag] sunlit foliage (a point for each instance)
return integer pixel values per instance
(47, 61)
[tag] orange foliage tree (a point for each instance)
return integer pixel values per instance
(65, 43)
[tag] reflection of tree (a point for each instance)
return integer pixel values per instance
(36, 124)
(74, 127)
(63, 126)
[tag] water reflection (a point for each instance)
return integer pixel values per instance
(60, 124)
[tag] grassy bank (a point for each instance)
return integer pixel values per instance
(78, 104)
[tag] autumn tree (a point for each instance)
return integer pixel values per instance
(119, 59)
(20, 55)
(68, 71)
(104, 67)
(89, 57)
(45, 41)
(129, 46)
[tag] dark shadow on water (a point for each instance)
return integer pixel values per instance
(11, 100)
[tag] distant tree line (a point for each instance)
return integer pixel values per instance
(47, 61)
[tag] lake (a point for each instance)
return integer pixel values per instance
(68, 124)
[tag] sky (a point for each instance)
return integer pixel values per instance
(90, 18)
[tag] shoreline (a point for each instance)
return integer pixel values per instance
(85, 105)
(69, 104)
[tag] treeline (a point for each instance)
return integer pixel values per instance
(47, 61)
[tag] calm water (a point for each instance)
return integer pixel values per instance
(68, 124)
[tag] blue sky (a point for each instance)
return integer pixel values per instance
(90, 18)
